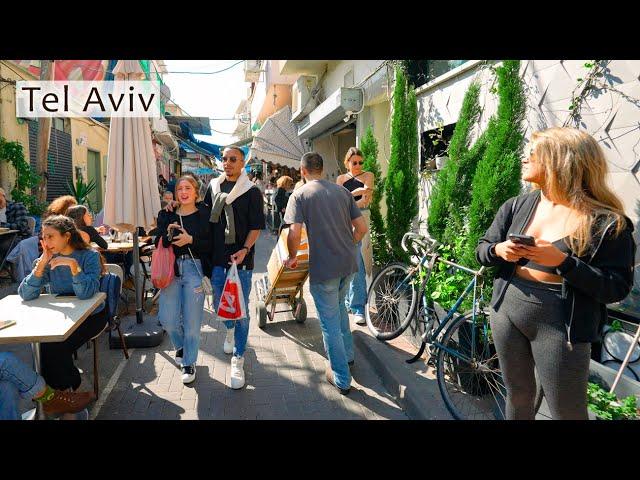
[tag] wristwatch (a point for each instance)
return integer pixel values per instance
(246, 248)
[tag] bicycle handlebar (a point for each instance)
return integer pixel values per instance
(429, 245)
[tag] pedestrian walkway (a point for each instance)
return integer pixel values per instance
(284, 366)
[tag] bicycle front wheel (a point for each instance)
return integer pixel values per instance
(468, 372)
(391, 302)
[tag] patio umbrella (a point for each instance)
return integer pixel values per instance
(131, 197)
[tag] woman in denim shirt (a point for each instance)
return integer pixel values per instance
(70, 267)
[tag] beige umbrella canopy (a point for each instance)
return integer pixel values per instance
(131, 197)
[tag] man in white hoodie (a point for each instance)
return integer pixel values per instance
(237, 217)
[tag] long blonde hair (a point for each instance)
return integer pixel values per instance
(575, 172)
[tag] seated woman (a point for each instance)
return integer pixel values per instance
(70, 267)
(18, 380)
(84, 223)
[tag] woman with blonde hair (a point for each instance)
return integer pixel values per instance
(360, 184)
(182, 302)
(563, 251)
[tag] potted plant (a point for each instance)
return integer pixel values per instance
(604, 406)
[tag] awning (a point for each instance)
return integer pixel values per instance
(277, 141)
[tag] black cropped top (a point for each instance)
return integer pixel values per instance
(561, 244)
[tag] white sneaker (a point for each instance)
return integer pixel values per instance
(229, 341)
(188, 374)
(360, 320)
(237, 372)
(179, 354)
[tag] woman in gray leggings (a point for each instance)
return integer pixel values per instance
(563, 252)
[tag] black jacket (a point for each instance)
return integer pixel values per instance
(603, 275)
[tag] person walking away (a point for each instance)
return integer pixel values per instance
(181, 305)
(549, 299)
(334, 226)
(285, 187)
(361, 185)
(237, 217)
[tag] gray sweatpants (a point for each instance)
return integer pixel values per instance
(529, 331)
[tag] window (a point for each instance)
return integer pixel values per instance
(61, 124)
(421, 72)
(434, 143)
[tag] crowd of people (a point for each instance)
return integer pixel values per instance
(549, 297)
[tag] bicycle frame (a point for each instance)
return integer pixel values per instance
(430, 336)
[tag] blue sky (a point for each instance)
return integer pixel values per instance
(215, 96)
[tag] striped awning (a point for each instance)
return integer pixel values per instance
(277, 141)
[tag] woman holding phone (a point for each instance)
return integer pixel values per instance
(563, 252)
(182, 302)
(70, 267)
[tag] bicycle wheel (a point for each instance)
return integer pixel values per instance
(468, 372)
(390, 302)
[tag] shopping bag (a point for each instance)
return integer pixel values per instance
(162, 262)
(232, 306)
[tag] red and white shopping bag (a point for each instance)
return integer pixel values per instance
(232, 306)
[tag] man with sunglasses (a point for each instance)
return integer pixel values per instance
(237, 217)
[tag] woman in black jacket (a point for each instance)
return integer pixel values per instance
(182, 302)
(549, 300)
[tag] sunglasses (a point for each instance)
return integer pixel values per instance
(358, 163)
(229, 159)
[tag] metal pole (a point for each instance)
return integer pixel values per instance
(136, 269)
(38, 368)
(626, 360)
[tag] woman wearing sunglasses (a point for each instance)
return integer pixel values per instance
(360, 184)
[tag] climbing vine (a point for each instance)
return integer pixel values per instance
(26, 179)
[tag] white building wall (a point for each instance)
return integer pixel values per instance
(611, 116)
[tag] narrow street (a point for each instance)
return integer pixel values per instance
(284, 367)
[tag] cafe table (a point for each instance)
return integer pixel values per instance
(48, 318)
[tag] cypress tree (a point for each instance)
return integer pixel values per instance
(497, 176)
(401, 184)
(369, 147)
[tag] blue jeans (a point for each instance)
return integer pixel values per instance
(357, 297)
(16, 380)
(182, 308)
(329, 298)
(241, 327)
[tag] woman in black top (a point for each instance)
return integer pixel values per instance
(283, 192)
(360, 184)
(549, 300)
(181, 303)
(84, 222)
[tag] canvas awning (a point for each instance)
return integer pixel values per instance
(277, 141)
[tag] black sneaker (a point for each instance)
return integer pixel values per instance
(188, 374)
(179, 355)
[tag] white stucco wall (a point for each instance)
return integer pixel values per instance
(612, 117)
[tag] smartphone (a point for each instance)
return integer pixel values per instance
(523, 239)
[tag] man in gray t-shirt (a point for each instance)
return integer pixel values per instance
(334, 226)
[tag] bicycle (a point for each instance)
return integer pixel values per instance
(460, 346)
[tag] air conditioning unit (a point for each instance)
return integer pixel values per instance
(301, 101)
(340, 104)
(252, 70)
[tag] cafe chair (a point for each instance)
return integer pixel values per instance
(113, 320)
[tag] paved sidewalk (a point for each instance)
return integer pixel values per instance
(284, 367)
